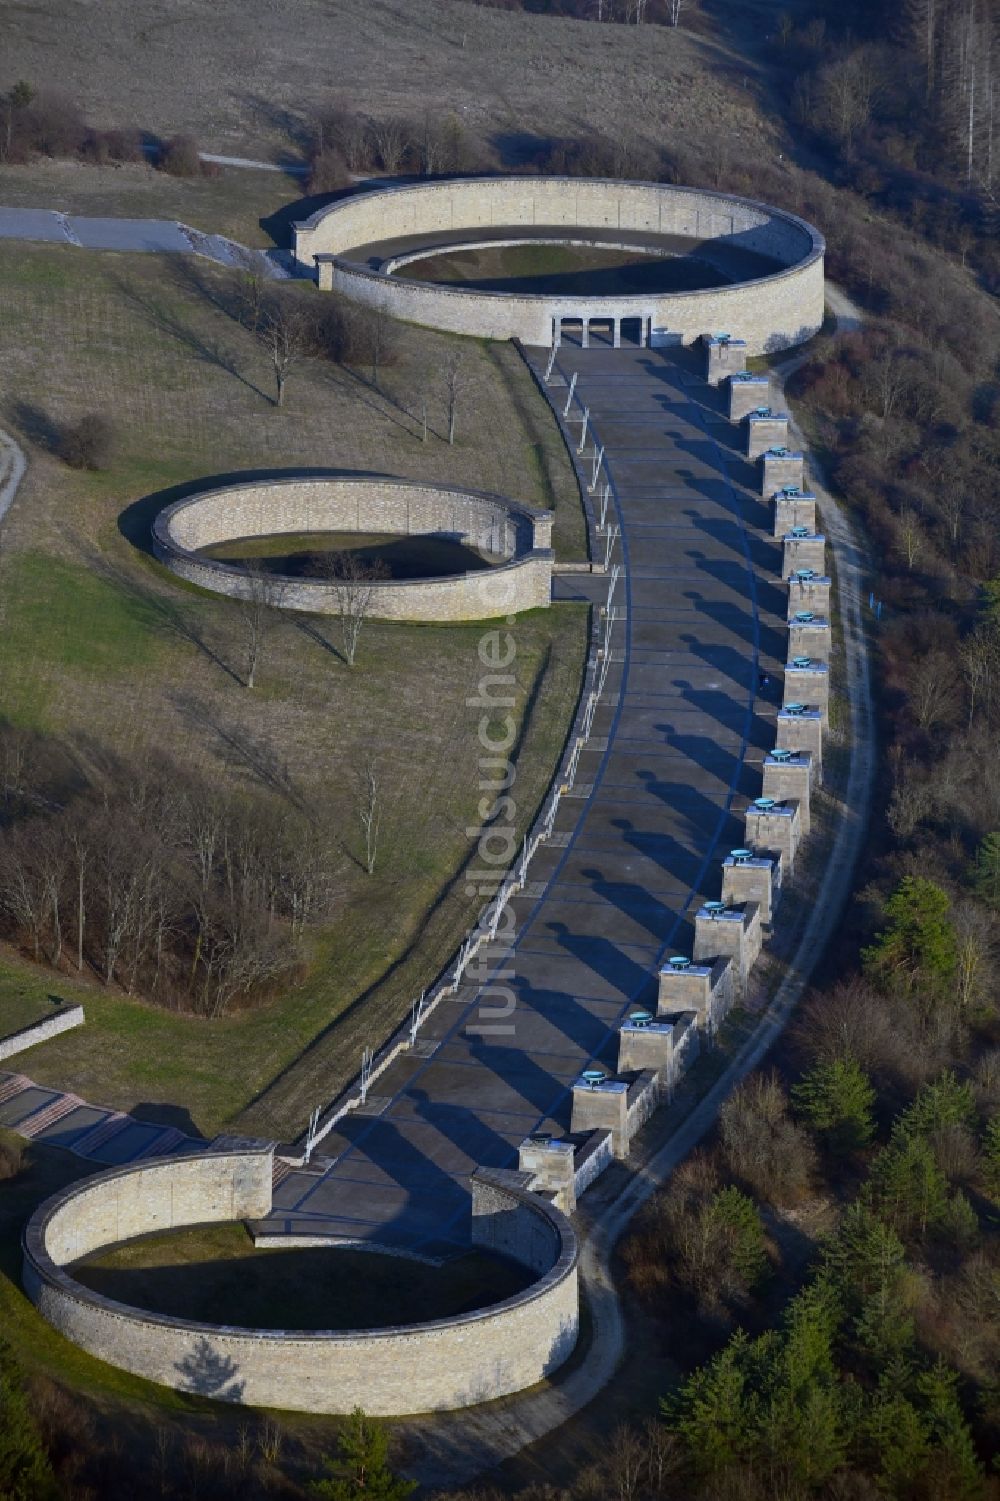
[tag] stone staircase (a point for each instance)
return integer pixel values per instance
(48, 1115)
(168, 1138)
(12, 1084)
(102, 1132)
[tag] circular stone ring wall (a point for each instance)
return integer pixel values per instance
(340, 244)
(516, 534)
(449, 1363)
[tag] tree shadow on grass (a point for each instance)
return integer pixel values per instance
(238, 748)
(310, 629)
(171, 614)
(34, 424)
(204, 348)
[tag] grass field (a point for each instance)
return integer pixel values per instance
(391, 935)
(23, 1002)
(250, 84)
(213, 1273)
(231, 202)
(100, 646)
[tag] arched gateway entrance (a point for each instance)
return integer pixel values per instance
(609, 329)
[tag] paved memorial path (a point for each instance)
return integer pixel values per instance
(612, 893)
(157, 236)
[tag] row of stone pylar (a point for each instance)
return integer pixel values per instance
(694, 993)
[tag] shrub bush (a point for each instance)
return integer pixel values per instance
(89, 443)
(180, 157)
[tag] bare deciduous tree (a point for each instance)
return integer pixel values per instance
(251, 289)
(976, 953)
(911, 535)
(453, 374)
(933, 689)
(353, 583)
(762, 1144)
(379, 335)
(286, 332)
(263, 595)
(392, 141)
(369, 811)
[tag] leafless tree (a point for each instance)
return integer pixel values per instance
(933, 690)
(849, 90)
(952, 502)
(664, 1457)
(976, 953)
(626, 1463)
(79, 848)
(286, 333)
(353, 581)
(676, 9)
(305, 871)
(761, 1143)
(885, 380)
(911, 535)
(379, 334)
(369, 810)
(263, 593)
(252, 288)
(453, 375)
(392, 141)
(24, 891)
(980, 660)
(911, 802)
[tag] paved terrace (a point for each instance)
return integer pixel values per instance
(672, 760)
(634, 851)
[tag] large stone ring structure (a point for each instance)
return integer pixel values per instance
(448, 1363)
(359, 244)
(516, 538)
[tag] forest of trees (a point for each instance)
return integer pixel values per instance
(903, 96)
(145, 876)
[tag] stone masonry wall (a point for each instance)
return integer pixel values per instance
(515, 532)
(49, 1026)
(415, 1368)
(769, 312)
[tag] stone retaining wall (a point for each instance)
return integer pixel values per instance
(414, 1368)
(49, 1026)
(517, 533)
(769, 312)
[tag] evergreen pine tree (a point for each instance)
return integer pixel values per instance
(361, 1472)
(943, 1102)
(991, 1159)
(917, 948)
(907, 1188)
(985, 871)
(836, 1099)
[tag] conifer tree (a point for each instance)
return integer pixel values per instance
(360, 1471)
(836, 1099)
